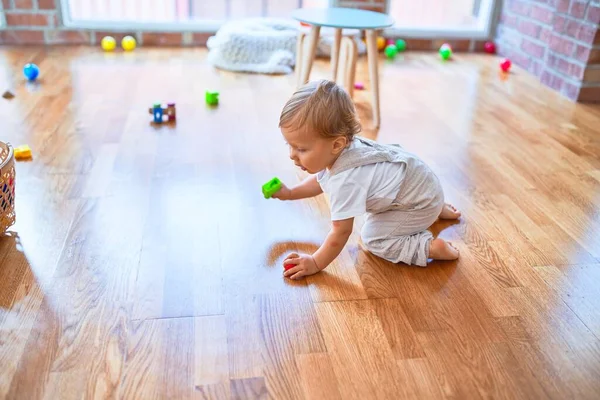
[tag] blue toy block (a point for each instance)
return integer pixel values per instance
(157, 111)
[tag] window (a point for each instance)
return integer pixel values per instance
(443, 18)
(417, 18)
(175, 14)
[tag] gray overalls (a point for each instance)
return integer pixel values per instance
(398, 233)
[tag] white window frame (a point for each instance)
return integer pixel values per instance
(2, 16)
(206, 26)
(488, 11)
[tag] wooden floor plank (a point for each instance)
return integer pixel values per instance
(30, 256)
(318, 378)
(244, 341)
(80, 297)
(484, 378)
(160, 362)
(417, 376)
(364, 362)
(577, 287)
(249, 388)
(552, 325)
(288, 327)
(210, 351)
(210, 392)
(398, 331)
(496, 299)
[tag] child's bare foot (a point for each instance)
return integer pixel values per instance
(442, 250)
(449, 212)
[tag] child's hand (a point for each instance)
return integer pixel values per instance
(283, 194)
(304, 265)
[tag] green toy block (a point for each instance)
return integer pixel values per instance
(212, 98)
(271, 187)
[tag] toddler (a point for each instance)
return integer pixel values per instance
(399, 193)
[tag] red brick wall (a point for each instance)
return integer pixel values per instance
(556, 40)
(39, 22)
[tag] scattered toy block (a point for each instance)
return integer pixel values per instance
(22, 152)
(271, 187)
(163, 112)
(212, 98)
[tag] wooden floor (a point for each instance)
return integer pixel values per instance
(146, 263)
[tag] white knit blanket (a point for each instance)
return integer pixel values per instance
(263, 45)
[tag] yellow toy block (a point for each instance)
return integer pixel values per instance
(22, 152)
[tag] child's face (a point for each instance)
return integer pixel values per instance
(311, 152)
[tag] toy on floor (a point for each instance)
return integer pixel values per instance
(505, 65)
(31, 71)
(359, 86)
(446, 51)
(489, 47)
(391, 51)
(22, 152)
(163, 112)
(212, 97)
(108, 43)
(128, 43)
(8, 95)
(157, 113)
(271, 187)
(400, 45)
(380, 43)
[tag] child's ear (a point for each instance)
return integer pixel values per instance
(339, 144)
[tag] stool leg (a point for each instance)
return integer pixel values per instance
(344, 55)
(373, 74)
(350, 59)
(335, 52)
(352, 69)
(299, 57)
(313, 39)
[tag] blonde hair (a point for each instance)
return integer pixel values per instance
(322, 107)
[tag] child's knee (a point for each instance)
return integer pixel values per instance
(409, 249)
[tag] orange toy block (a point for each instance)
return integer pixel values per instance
(22, 152)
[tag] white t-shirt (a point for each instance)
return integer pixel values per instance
(369, 188)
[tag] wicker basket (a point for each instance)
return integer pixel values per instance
(7, 187)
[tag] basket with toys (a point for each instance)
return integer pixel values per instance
(7, 187)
